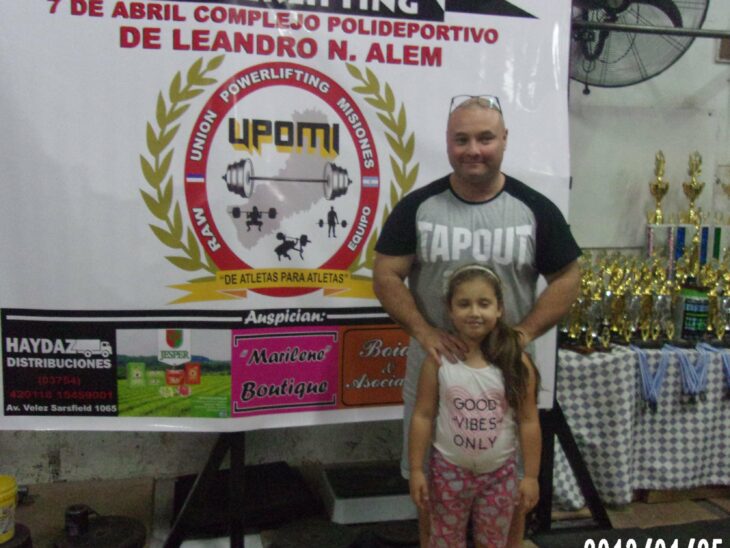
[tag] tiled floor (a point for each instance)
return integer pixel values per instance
(43, 514)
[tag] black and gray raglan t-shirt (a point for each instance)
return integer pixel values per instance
(519, 233)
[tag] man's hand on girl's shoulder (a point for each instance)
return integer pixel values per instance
(438, 343)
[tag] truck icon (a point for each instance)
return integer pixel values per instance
(90, 347)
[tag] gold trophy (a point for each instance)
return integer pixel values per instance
(658, 188)
(693, 188)
(661, 301)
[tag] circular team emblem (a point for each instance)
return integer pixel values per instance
(281, 172)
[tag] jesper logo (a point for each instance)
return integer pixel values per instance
(174, 337)
(174, 346)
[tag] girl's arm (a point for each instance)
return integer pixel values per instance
(530, 440)
(421, 430)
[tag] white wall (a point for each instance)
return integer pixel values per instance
(615, 134)
(43, 457)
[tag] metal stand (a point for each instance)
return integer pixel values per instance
(553, 424)
(235, 443)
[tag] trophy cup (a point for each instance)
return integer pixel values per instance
(594, 314)
(692, 254)
(693, 188)
(658, 188)
(632, 315)
(661, 301)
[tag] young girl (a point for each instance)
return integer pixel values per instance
(484, 408)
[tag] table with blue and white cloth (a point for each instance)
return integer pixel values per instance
(626, 445)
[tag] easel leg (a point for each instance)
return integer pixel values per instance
(543, 511)
(236, 486)
(236, 444)
(553, 424)
(578, 465)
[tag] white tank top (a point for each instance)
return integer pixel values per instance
(475, 427)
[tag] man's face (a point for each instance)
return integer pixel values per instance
(475, 142)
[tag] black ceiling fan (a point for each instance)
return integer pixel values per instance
(610, 58)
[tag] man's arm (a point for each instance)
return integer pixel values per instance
(552, 304)
(389, 274)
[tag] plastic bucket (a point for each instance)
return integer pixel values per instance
(8, 496)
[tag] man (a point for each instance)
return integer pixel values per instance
(332, 221)
(475, 214)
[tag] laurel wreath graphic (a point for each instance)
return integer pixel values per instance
(155, 170)
(402, 147)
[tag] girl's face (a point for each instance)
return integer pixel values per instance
(474, 309)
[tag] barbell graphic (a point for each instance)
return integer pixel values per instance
(303, 239)
(240, 177)
(270, 213)
(343, 223)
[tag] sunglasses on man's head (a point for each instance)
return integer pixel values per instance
(486, 101)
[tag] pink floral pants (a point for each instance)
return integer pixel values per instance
(457, 493)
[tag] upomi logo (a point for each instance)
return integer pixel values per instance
(281, 181)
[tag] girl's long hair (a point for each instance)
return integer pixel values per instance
(501, 346)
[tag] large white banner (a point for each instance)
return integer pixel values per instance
(191, 194)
